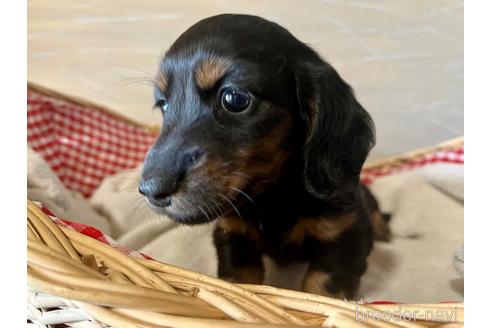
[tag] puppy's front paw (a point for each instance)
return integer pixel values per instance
(316, 282)
(331, 285)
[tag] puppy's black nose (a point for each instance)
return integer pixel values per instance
(164, 172)
(158, 190)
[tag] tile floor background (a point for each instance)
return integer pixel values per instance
(404, 58)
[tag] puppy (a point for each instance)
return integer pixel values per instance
(262, 135)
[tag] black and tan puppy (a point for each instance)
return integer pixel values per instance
(262, 135)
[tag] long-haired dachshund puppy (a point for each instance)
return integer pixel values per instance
(262, 135)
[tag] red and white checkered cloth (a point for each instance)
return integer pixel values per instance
(452, 155)
(83, 144)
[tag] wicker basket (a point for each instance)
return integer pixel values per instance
(75, 280)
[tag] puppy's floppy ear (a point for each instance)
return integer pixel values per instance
(338, 132)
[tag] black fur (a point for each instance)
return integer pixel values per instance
(342, 132)
(318, 124)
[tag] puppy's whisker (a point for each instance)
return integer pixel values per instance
(129, 190)
(192, 207)
(245, 195)
(215, 208)
(128, 81)
(150, 74)
(219, 208)
(123, 178)
(124, 82)
(243, 175)
(135, 200)
(135, 209)
(204, 212)
(246, 176)
(210, 210)
(137, 205)
(225, 164)
(232, 205)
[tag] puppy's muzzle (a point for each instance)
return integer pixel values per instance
(164, 175)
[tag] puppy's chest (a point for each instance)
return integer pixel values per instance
(295, 241)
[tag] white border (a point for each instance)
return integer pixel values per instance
(478, 161)
(13, 187)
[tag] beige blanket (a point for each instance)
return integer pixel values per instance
(417, 266)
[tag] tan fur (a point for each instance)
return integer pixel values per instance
(222, 175)
(380, 227)
(323, 229)
(263, 159)
(251, 275)
(314, 282)
(236, 225)
(253, 165)
(210, 71)
(161, 80)
(312, 114)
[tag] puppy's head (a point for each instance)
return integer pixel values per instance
(241, 98)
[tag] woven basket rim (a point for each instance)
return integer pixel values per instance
(413, 155)
(110, 287)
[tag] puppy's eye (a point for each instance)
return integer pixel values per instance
(234, 100)
(162, 104)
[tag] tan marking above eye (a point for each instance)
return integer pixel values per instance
(209, 71)
(161, 81)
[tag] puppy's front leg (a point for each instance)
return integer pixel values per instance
(237, 252)
(336, 272)
(335, 282)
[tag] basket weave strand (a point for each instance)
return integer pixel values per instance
(94, 283)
